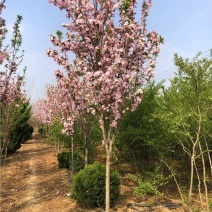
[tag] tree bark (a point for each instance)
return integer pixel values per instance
(191, 178)
(72, 155)
(204, 177)
(109, 138)
(86, 150)
(134, 160)
(199, 184)
(107, 199)
(209, 157)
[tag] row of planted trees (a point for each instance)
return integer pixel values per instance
(14, 106)
(107, 79)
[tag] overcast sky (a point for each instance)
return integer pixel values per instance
(185, 25)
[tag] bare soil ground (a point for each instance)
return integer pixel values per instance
(32, 182)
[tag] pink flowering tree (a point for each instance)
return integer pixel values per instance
(10, 59)
(61, 108)
(114, 60)
(10, 82)
(72, 93)
(75, 97)
(46, 110)
(58, 104)
(41, 113)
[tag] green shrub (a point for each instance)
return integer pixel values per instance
(150, 184)
(89, 186)
(20, 130)
(65, 161)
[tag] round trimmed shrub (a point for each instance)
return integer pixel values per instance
(65, 161)
(89, 186)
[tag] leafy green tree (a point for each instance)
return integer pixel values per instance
(185, 113)
(140, 129)
(56, 136)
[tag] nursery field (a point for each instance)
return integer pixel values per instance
(32, 181)
(115, 129)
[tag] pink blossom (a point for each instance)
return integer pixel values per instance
(112, 62)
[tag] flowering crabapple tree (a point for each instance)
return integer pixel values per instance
(65, 99)
(74, 100)
(61, 108)
(72, 94)
(114, 61)
(10, 82)
(57, 105)
(41, 113)
(46, 110)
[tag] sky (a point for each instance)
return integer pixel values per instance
(185, 25)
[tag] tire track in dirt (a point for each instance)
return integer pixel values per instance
(32, 183)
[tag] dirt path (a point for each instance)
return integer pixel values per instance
(32, 182)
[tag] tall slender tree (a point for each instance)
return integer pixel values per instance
(186, 114)
(10, 82)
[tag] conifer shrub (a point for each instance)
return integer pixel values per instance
(89, 186)
(65, 161)
(27, 132)
(20, 130)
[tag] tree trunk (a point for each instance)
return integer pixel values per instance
(86, 156)
(202, 155)
(109, 138)
(5, 157)
(72, 155)
(209, 157)
(199, 184)
(107, 199)
(1, 151)
(134, 160)
(4, 152)
(86, 150)
(63, 146)
(58, 146)
(191, 179)
(175, 179)
(55, 147)
(204, 177)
